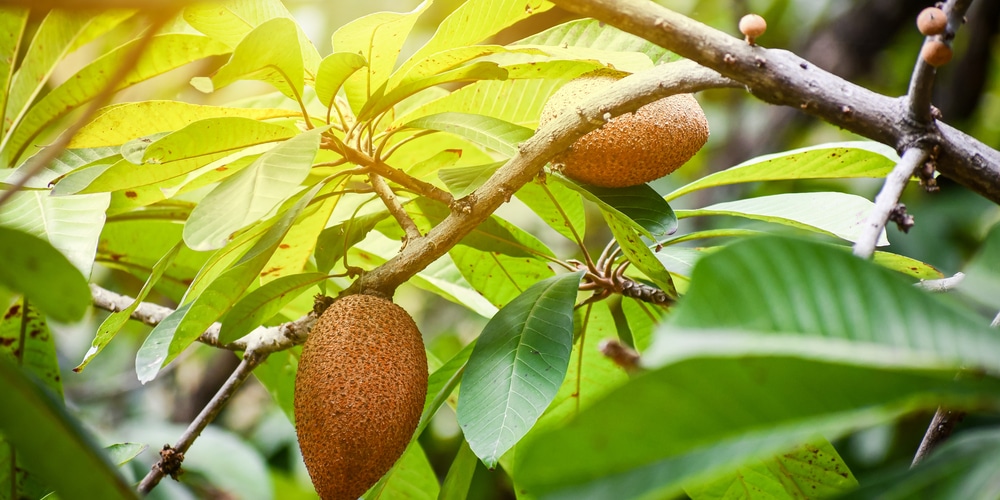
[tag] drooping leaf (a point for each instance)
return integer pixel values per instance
(442, 383)
(591, 33)
(12, 24)
(638, 206)
(57, 35)
(229, 22)
(188, 321)
(410, 477)
(119, 123)
(252, 193)
(164, 52)
(444, 61)
(641, 257)
(378, 38)
(381, 100)
(517, 367)
(257, 306)
(561, 208)
(809, 471)
(36, 269)
(495, 134)
(472, 22)
(462, 181)
(838, 160)
(116, 320)
(71, 224)
(463, 467)
(713, 415)
(964, 466)
(334, 70)
(67, 161)
(835, 214)
(38, 425)
(270, 53)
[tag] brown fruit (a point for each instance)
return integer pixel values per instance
(932, 21)
(936, 53)
(633, 148)
(752, 26)
(359, 392)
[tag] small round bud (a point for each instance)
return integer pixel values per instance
(932, 21)
(752, 26)
(936, 53)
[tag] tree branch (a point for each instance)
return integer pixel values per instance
(886, 200)
(395, 207)
(623, 96)
(781, 77)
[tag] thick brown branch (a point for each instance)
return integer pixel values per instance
(781, 77)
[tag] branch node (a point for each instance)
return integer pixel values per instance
(903, 220)
(620, 354)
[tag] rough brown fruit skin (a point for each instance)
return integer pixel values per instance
(359, 392)
(633, 148)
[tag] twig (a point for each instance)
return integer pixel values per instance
(941, 285)
(624, 96)
(399, 177)
(781, 77)
(940, 428)
(886, 200)
(211, 410)
(261, 341)
(395, 207)
(45, 157)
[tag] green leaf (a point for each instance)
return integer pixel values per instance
(13, 20)
(982, 278)
(793, 293)
(770, 405)
(164, 53)
(381, 101)
(25, 337)
(188, 321)
(472, 22)
(335, 69)
(642, 319)
(517, 367)
(641, 257)
(36, 269)
(116, 320)
(500, 260)
(229, 22)
(459, 478)
(39, 426)
(495, 134)
(263, 303)
(71, 224)
(333, 243)
(594, 34)
(445, 61)
(277, 375)
(123, 453)
(639, 206)
(462, 181)
(442, 383)
(964, 466)
(835, 214)
(270, 53)
(838, 160)
(378, 38)
(809, 471)
(120, 123)
(410, 477)
(561, 208)
(252, 193)
(56, 36)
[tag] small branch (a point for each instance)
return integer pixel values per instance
(395, 208)
(50, 153)
(886, 201)
(941, 285)
(940, 429)
(922, 80)
(211, 410)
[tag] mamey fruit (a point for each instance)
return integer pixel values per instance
(932, 21)
(633, 148)
(359, 393)
(752, 26)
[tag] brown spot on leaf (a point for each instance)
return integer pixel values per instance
(131, 195)
(13, 311)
